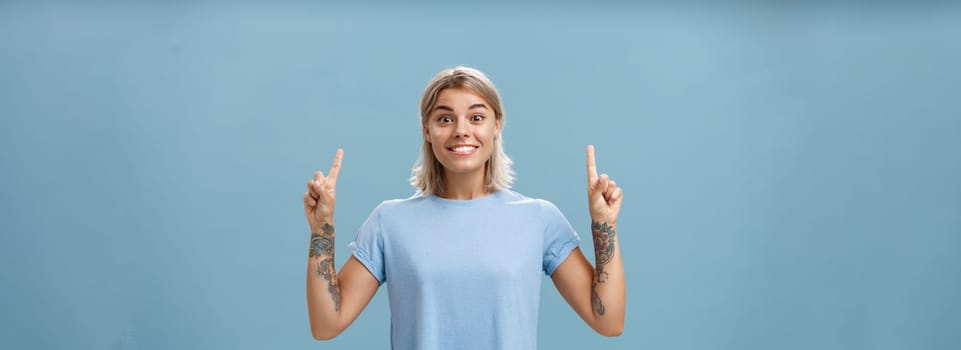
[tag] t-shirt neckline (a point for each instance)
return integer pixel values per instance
(465, 202)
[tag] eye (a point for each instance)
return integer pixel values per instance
(444, 119)
(477, 118)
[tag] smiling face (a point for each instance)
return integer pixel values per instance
(461, 129)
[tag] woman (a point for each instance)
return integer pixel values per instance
(463, 256)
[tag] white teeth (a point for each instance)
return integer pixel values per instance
(461, 149)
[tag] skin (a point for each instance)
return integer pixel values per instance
(462, 118)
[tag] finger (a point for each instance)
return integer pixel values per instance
(616, 200)
(309, 200)
(312, 189)
(591, 167)
(601, 183)
(318, 180)
(335, 168)
(611, 185)
(616, 195)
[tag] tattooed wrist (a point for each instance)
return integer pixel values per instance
(322, 243)
(604, 236)
(321, 222)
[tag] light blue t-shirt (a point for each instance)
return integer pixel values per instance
(464, 274)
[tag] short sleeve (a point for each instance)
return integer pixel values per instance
(368, 246)
(559, 237)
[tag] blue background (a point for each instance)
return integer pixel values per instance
(791, 171)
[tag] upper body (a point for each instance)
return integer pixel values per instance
(464, 274)
(465, 256)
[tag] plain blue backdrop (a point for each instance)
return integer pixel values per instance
(792, 172)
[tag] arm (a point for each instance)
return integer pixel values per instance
(334, 299)
(598, 294)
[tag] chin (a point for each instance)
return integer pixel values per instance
(461, 168)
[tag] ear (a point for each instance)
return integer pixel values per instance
(426, 133)
(497, 128)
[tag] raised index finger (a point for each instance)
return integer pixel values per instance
(335, 168)
(591, 167)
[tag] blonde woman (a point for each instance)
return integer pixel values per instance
(463, 256)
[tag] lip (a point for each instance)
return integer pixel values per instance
(472, 149)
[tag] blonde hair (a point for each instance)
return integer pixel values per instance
(428, 172)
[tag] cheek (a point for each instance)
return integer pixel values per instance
(486, 134)
(436, 146)
(437, 142)
(433, 135)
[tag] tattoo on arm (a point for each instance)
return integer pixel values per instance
(604, 236)
(322, 247)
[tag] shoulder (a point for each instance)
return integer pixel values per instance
(511, 197)
(400, 204)
(540, 213)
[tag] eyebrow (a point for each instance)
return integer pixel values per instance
(446, 108)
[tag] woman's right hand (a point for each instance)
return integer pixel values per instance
(320, 197)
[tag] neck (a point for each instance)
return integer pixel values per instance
(464, 186)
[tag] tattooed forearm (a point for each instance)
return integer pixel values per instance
(325, 268)
(322, 247)
(322, 244)
(596, 302)
(604, 237)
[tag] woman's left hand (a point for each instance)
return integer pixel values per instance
(603, 195)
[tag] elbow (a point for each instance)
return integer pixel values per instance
(612, 332)
(322, 335)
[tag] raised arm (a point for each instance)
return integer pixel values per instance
(333, 299)
(598, 294)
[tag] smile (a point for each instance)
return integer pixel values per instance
(463, 149)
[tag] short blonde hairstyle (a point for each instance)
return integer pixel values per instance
(428, 172)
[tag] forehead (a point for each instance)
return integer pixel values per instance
(459, 98)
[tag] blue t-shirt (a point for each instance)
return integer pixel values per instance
(464, 274)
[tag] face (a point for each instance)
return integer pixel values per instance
(461, 129)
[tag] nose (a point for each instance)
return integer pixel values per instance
(462, 130)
